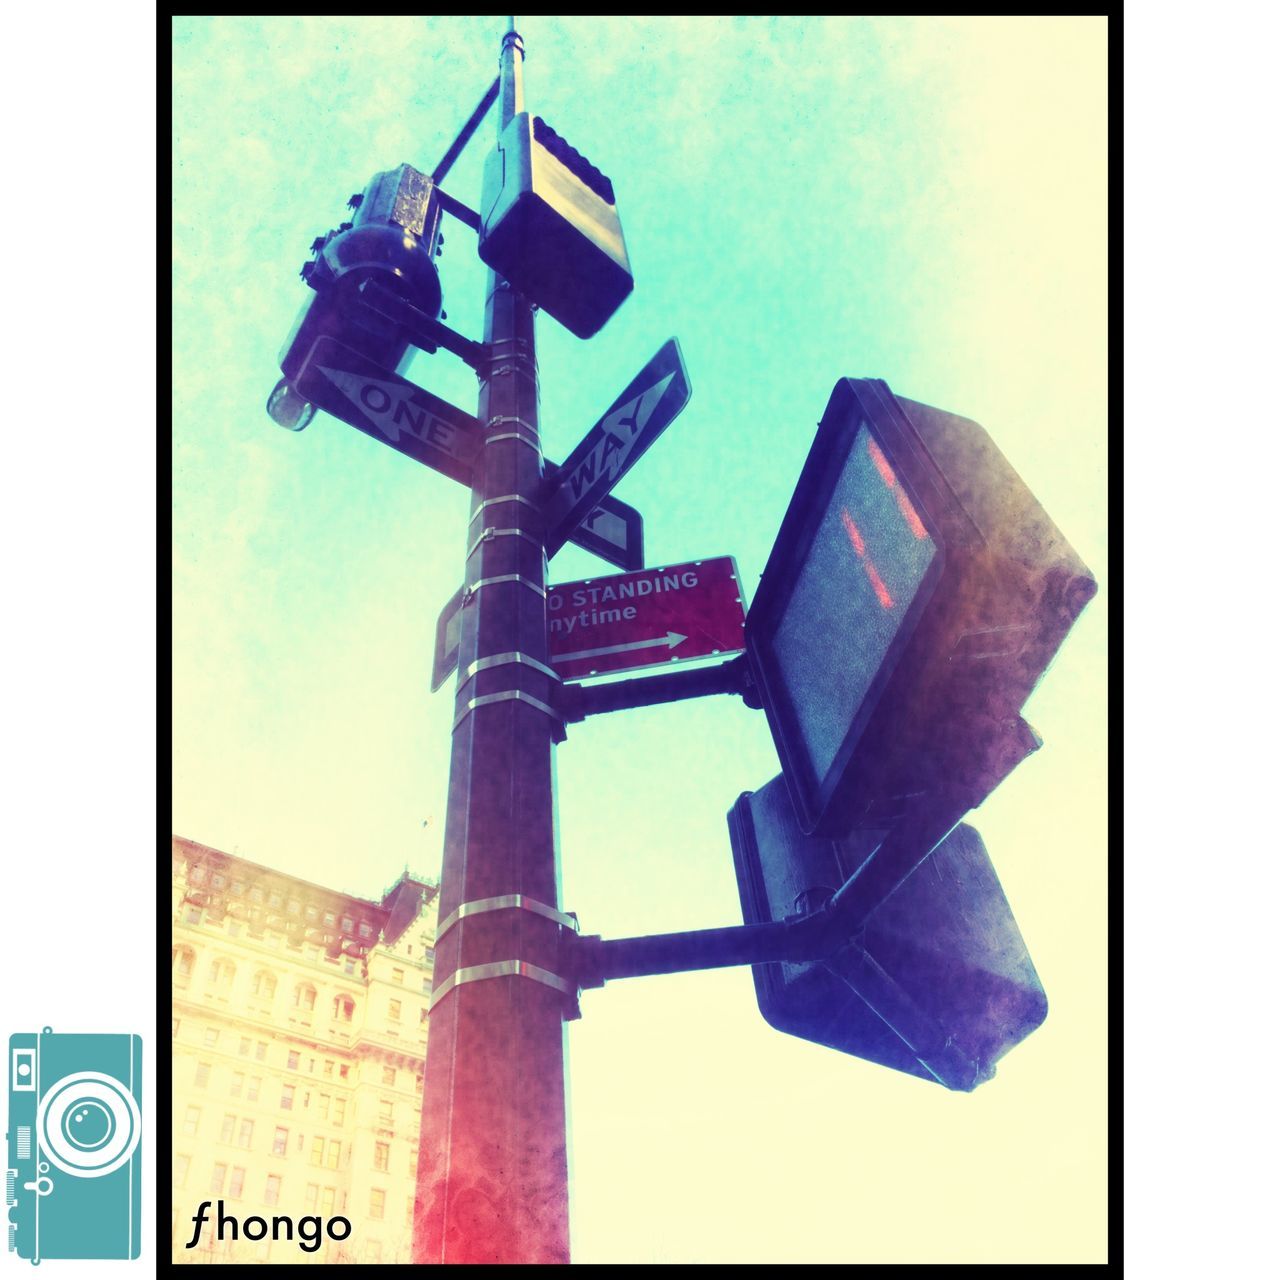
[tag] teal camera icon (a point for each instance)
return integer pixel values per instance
(73, 1187)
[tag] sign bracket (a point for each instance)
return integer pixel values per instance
(578, 701)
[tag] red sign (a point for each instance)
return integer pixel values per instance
(649, 618)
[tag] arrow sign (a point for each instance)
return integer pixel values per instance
(671, 639)
(655, 616)
(429, 430)
(614, 445)
(391, 409)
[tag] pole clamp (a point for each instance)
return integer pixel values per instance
(520, 901)
(506, 659)
(500, 969)
(501, 419)
(507, 695)
(473, 587)
(506, 497)
(488, 533)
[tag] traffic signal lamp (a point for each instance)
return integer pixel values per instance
(549, 225)
(392, 239)
(914, 595)
(934, 980)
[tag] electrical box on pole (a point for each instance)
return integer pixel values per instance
(914, 595)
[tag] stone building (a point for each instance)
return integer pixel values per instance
(299, 1036)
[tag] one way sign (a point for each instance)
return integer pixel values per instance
(613, 446)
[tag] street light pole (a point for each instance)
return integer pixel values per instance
(493, 1165)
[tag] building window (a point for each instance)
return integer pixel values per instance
(344, 1008)
(261, 1054)
(255, 895)
(377, 1202)
(417, 1082)
(393, 1010)
(274, 901)
(386, 1110)
(348, 924)
(280, 1143)
(246, 1134)
(294, 908)
(313, 1195)
(192, 1121)
(272, 1193)
(219, 1177)
(219, 881)
(196, 874)
(286, 1098)
(202, 1075)
(326, 1200)
(181, 1165)
(328, 918)
(255, 1083)
(328, 1066)
(348, 966)
(388, 1075)
(322, 1105)
(312, 914)
(381, 1156)
(339, 1111)
(236, 1189)
(237, 887)
(228, 1128)
(237, 1084)
(397, 975)
(304, 997)
(184, 960)
(335, 1152)
(264, 985)
(245, 1044)
(423, 1014)
(317, 1151)
(192, 915)
(210, 1037)
(344, 1070)
(365, 931)
(293, 1061)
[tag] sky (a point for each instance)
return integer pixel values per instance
(918, 200)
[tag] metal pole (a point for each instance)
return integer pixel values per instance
(493, 1169)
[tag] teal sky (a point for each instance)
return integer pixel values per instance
(921, 200)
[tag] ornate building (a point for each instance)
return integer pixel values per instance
(299, 1036)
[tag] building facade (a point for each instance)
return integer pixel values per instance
(299, 1037)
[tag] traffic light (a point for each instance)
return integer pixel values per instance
(393, 238)
(914, 595)
(935, 979)
(549, 225)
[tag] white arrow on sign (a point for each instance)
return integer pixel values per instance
(671, 639)
(397, 411)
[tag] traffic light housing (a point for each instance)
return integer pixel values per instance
(914, 595)
(549, 225)
(935, 979)
(393, 238)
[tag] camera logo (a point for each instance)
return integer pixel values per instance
(74, 1182)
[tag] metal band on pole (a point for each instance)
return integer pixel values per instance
(504, 903)
(499, 969)
(506, 659)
